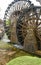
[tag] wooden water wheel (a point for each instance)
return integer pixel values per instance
(11, 15)
(29, 29)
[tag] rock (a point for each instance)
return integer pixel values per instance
(11, 53)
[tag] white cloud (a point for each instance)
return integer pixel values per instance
(3, 6)
(35, 2)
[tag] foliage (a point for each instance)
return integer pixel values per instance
(25, 60)
(8, 22)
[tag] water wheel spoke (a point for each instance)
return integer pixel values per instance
(22, 25)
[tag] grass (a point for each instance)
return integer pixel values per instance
(4, 45)
(20, 57)
(25, 60)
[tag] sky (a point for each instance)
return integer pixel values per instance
(4, 4)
